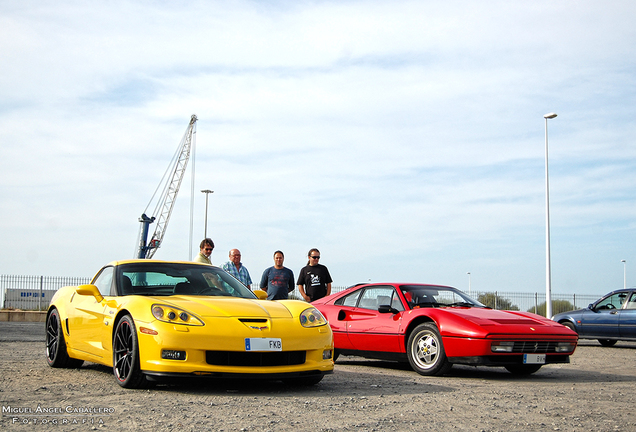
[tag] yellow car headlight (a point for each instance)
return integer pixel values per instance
(174, 315)
(312, 318)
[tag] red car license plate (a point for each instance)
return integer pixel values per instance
(534, 359)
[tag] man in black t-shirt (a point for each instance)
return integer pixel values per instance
(314, 281)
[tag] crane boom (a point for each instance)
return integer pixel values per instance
(168, 197)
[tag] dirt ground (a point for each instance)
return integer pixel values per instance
(596, 392)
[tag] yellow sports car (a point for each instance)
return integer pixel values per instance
(150, 319)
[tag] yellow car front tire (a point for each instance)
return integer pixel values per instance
(126, 355)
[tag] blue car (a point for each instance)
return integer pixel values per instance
(610, 319)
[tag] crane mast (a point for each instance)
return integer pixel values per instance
(168, 197)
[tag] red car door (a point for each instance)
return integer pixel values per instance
(370, 330)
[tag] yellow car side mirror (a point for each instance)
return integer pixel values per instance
(90, 290)
(262, 295)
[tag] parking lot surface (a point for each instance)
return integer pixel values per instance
(593, 393)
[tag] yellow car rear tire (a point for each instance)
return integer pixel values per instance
(56, 354)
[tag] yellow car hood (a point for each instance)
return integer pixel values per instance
(228, 307)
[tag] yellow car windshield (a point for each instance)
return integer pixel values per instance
(166, 279)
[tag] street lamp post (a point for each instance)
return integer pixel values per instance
(548, 270)
(624, 274)
(207, 193)
(468, 273)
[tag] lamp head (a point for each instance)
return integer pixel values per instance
(550, 116)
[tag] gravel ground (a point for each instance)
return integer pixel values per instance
(593, 393)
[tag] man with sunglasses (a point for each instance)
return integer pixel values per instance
(206, 247)
(314, 281)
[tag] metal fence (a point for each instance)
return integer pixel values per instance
(533, 302)
(527, 302)
(35, 292)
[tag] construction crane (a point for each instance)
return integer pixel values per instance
(165, 201)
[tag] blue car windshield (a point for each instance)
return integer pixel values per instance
(436, 296)
(167, 279)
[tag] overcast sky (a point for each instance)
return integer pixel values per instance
(405, 140)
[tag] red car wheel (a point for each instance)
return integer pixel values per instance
(426, 351)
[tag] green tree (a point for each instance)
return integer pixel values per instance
(496, 302)
(558, 306)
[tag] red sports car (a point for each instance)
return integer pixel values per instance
(434, 327)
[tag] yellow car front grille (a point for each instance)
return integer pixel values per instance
(236, 358)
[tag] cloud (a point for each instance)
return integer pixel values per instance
(405, 140)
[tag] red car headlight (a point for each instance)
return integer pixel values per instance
(563, 347)
(502, 347)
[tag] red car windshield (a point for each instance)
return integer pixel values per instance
(436, 296)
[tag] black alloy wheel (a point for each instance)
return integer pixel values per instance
(56, 354)
(126, 355)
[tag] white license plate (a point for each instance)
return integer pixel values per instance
(534, 358)
(263, 344)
